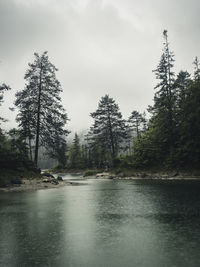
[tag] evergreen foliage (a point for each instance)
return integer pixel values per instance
(75, 154)
(41, 116)
(108, 134)
(3, 88)
(137, 123)
(172, 139)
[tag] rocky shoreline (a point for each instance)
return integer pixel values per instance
(31, 185)
(146, 176)
(48, 181)
(45, 181)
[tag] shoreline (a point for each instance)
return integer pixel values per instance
(32, 185)
(144, 176)
(35, 184)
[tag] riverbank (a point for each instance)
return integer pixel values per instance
(49, 182)
(145, 176)
(32, 185)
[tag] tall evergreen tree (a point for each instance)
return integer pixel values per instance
(109, 131)
(156, 146)
(41, 114)
(164, 99)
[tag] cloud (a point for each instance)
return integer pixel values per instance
(99, 46)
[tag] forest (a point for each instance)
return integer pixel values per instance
(167, 139)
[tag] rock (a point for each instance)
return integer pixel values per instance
(59, 178)
(75, 183)
(164, 176)
(54, 182)
(46, 180)
(173, 173)
(105, 175)
(16, 181)
(102, 175)
(143, 175)
(48, 175)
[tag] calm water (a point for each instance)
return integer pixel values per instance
(102, 223)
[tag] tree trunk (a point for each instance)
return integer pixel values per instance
(38, 119)
(111, 135)
(30, 149)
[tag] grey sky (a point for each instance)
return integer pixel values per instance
(99, 47)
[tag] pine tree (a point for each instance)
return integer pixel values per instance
(58, 151)
(109, 131)
(164, 99)
(156, 146)
(75, 155)
(137, 122)
(41, 115)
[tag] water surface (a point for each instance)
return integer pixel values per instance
(104, 223)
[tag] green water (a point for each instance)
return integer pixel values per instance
(103, 223)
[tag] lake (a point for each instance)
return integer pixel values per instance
(102, 223)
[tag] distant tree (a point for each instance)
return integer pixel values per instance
(41, 115)
(137, 122)
(58, 151)
(108, 133)
(75, 153)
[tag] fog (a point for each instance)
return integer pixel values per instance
(100, 47)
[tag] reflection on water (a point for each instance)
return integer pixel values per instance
(104, 223)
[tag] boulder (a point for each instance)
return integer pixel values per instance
(143, 175)
(59, 178)
(46, 180)
(48, 175)
(102, 175)
(173, 173)
(55, 182)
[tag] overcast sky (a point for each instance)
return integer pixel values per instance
(99, 46)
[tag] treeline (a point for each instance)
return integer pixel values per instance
(169, 139)
(172, 139)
